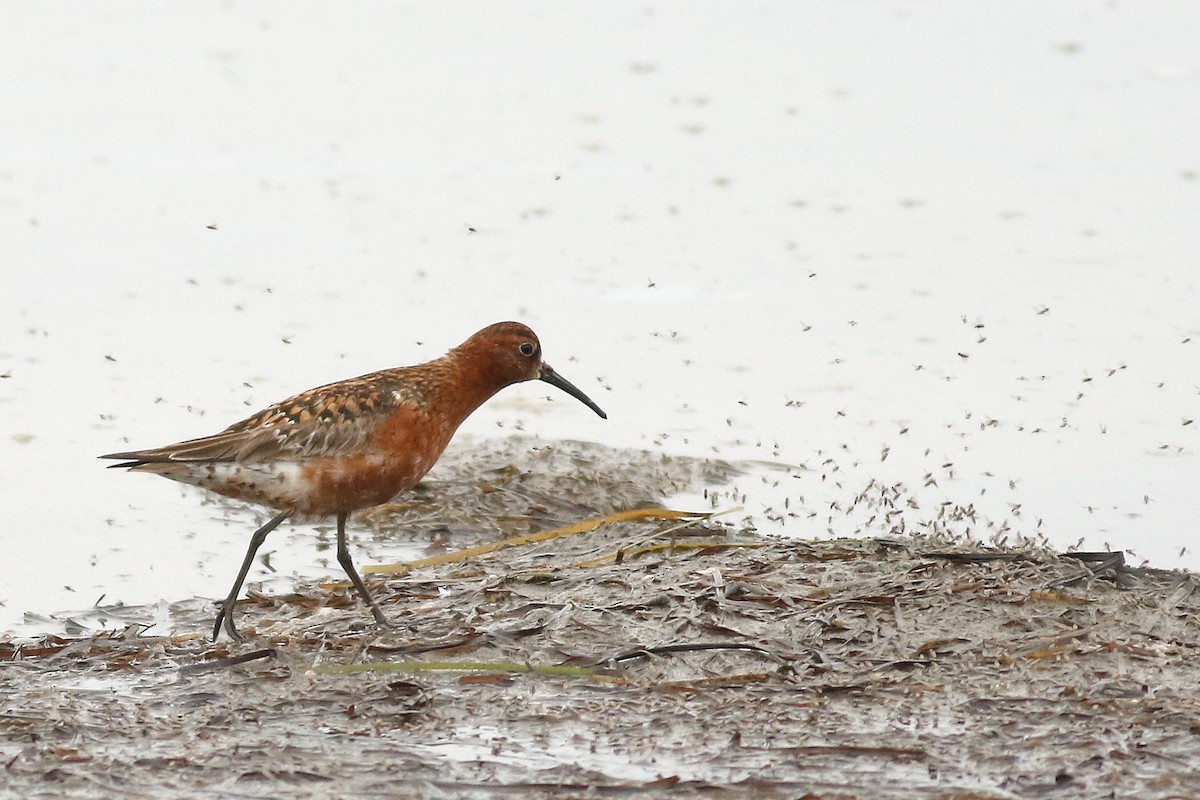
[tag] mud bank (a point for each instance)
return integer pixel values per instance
(641, 657)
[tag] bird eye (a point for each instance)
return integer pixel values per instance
(527, 348)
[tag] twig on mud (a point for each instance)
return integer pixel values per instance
(644, 545)
(1109, 565)
(974, 558)
(619, 556)
(645, 652)
(858, 750)
(412, 650)
(232, 661)
(455, 666)
(1100, 564)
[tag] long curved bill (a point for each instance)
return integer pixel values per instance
(551, 377)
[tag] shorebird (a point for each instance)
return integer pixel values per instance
(352, 444)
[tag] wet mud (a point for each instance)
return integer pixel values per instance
(643, 657)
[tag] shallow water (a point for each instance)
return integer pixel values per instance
(949, 246)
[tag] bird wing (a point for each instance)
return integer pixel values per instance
(326, 421)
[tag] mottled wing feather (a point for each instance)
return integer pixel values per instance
(330, 420)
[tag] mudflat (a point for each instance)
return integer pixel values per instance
(643, 656)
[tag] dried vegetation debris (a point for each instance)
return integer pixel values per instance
(729, 665)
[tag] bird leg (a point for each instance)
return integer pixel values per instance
(343, 557)
(226, 614)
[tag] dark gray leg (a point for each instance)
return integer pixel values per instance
(343, 556)
(226, 614)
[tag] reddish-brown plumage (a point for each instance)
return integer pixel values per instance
(355, 443)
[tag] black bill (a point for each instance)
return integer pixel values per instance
(551, 377)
